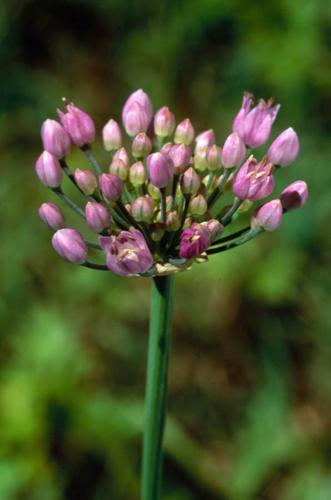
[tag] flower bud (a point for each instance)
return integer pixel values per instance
(214, 154)
(166, 148)
(55, 139)
(184, 133)
(97, 216)
(86, 181)
(164, 122)
(194, 241)
(78, 124)
(137, 113)
(154, 192)
(190, 181)
(51, 215)
(48, 170)
(70, 245)
(205, 139)
(268, 216)
(198, 205)
(285, 148)
(111, 135)
(172, 221)
(294, 196)
(141, 146)
(215, 228)
(122, 155)
(119, 168)
(160, 168)
(111, 187)
(200, 159)
(142, 209)
(254, 180)
(234, 151)
(181, 156)
(137, 174)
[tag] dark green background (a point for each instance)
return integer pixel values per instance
(250, 380)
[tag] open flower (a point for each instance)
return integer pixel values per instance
(254, 180)
(128, 253)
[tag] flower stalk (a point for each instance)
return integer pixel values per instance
(156, 385)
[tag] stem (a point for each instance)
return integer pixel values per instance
(163, 205)
(231, 236)
(69, 202)
(98, 267)
(91, 158)
(215, 194)
(249, 236)
(156, 385)
(230, 213)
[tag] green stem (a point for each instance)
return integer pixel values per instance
(91, 158)
(234, 244)
(226, 219)
(156, 385)
(217, 191)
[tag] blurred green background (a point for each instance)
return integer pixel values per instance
(250, 380)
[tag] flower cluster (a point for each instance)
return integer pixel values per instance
(157, 207)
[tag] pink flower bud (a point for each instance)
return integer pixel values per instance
(119, 168)
(86, 181)
(160, 169)
(166, 148)
(48, 170)
(128, 253)
(234, 151)
(268, 216)
(137, 113)
(285, 148)
(55, 139)
(137, 174)
(214, 158)
(294, 196)
(184, 133)
(181, 156)
(111, 187)
(214, 227)
(164, 122)
(198, 205)
(70, 245)
(51, 215)
(141, 146)
(78, 124)
(254, 180)
(122, 155)
(111, 135)
(205, 139)
(97, 216)
(172, 221)
(194, 241)
(254, 125)
(142, 209)
(190, 181)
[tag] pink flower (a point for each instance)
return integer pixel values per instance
(137, 113)
(70, 245)
(49, 170)
(234, 151)
(285, 148)
(294, 196)
(160, 169)
(128, 253)
(194, 241)
(268, 216)
(78, 124)
(51, 215)
(164, 122)
(55, 139)
(111, 135)
(254, 125)
(254, 180)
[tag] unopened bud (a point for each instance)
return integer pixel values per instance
(198, 205)
(70, 245)
(181, 156)
(234, 151)
(78, 124)
(200, 159)
(190, 181)
(214, 154)
(137, 174)
(172, 221)
(112, 136)
(86, 181)
(160, 169)
(119, 168)
(121, 154)
(51, 215)
(164, 122)
(142, 209)
(268, 216)
(111, 187)
(55, 138)
(141, 146)
(284, 150)
(97, 216)
(137, 113)
(205, 139)
(184, 133)
(294, 196)
(48, 170)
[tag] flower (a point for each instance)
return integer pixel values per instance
(254, 180)
(86, 180)
(78, 124)
(160, 169)
(51, 215)
(128, 253)
(164, 122)
(184, 133)
(194, 241)
(294, 196)
(284, 150)
(112, 136)
(254, 125)
(137, 113)
(55, 139)
(111, 187)
(97, 216)
(70, 245)
(268, 216)
(48, 170)
(234, 151)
